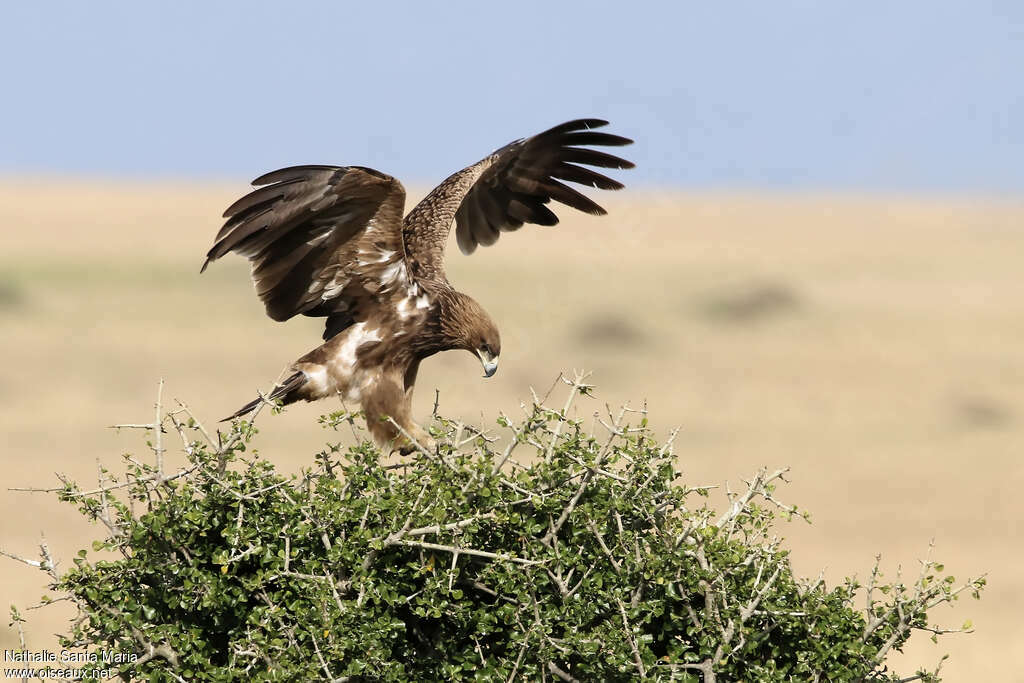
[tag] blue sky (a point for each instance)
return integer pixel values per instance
(908, 96)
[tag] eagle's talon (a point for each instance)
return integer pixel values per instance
(407, 447)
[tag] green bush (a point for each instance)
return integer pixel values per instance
(587, 559)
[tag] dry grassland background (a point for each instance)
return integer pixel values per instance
(876, 345)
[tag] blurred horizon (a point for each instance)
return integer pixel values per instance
(911, 98)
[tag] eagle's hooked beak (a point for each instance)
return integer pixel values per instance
(489, 362)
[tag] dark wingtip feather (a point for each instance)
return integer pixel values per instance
(575, 124)
(587, 137)
(258, 199)
(593, 157)
(585, 176)
(463, 231)
(570, 197)
(293, 173)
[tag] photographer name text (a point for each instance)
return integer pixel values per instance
(69, 657)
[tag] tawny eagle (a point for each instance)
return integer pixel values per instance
(330, 241)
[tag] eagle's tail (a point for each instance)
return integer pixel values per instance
(286, 391)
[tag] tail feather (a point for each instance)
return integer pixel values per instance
(284, 391)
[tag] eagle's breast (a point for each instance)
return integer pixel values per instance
(413, 304)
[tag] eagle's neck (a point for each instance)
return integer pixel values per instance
(429, 342)
(449, 323)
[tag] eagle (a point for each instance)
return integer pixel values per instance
(331, 242)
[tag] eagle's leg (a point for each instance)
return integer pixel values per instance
(389, 418)
(405, 446)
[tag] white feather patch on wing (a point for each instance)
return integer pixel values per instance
(393, 273)
(404, 308)
(368, 257)
(412, 303)
(335, 285)
(320, 236)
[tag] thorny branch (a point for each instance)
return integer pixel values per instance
(578, 385)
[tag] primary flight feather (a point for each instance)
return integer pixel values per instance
(330, 241)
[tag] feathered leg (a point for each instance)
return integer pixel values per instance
(388, 398)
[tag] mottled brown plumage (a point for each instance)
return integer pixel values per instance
(330, 241)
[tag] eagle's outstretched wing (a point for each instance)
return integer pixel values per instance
(510, 187)
(322, 240)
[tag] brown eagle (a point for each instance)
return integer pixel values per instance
(330, 241)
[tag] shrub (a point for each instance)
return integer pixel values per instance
(587, 560)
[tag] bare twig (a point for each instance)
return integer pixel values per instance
(105, 489)
(564, 675)
(468, 551)
(31, 563)
(451, 526)
(632, 642)
(319, 655)
(706, 668)
(150, 650)
(577, 384)
(755, 488)
(158, 431)
(567, 510)
(519, 658)
(604, 547)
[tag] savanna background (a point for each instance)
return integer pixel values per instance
(816, 262)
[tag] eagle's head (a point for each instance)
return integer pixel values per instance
(466, 325)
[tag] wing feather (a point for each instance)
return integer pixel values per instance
(569, 126)
(584, 176)
(258, 198)
(570, 197)
(307, 233)
(592, 157)
(486, 229)
(289, 173)
(594, 138)
(511, 187)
